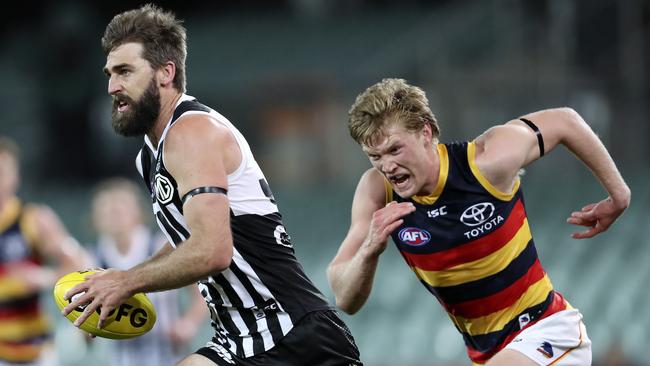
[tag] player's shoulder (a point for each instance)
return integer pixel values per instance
(31, 214)
(372, 186)
(195, 129)
(494, 142)
(372, 177)
(507, 130)
(25, 213)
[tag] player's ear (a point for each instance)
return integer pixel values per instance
(166, 73)
(426, 132)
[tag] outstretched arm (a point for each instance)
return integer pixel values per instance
(503, 150)
(352, 271)
(61, 252)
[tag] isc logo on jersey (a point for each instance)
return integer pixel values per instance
(414, 236)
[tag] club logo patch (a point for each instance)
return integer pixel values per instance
(546, 349)
(524, 319)
(414, 236)
(164, 189)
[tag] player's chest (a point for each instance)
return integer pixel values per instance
(447, 224)
(13, 246)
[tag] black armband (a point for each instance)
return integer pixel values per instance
(200, 190)
(538, 133)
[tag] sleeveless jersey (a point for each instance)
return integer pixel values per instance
(23, 324)
(471, 246)
(264, 292)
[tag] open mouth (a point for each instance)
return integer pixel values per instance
(398, 180)
(120, 104)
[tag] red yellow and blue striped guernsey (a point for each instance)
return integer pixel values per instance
(470, 245)
(24, 326)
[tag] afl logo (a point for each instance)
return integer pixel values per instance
(164, 189)
(477, 214)
(414, 236)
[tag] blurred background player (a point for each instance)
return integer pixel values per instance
(124, 240)
(35, 250)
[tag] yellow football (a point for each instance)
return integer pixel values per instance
(135, 317)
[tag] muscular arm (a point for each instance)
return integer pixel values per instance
(165, 249)
(352, 271)
(197, 153)
(503, 150)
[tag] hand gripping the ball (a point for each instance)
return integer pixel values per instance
(99, 303)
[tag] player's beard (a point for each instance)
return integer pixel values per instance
(141, 116)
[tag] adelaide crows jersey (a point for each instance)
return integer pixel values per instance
(24, 326)
(471, 246)
(264, 292)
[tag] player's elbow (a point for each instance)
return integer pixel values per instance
(220, 259)
(220, 263)
(567, 110)
(570, 116)
(346, 301)
(347, 306)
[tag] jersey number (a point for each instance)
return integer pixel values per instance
(267, 190)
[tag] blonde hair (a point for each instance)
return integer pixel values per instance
(391, 100)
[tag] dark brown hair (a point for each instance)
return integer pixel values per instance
(162, 35)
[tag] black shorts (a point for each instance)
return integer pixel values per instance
(320, 338)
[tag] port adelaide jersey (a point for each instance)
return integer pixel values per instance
(264, 292)
(470, 245)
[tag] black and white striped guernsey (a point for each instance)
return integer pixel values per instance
(264, 292)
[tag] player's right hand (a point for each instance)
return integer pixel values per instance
(596, 217)
(384, 222)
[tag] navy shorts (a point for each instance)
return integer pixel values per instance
(320, 338)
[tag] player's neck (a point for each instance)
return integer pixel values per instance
(168, 101)
(123, 243)
(433, 166)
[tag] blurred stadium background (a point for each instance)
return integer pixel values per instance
(285, 72)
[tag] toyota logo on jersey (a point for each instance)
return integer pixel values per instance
(164, 189)
(477, 214)
(414, 236)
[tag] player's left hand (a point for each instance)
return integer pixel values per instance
(102, 292)
(597, 217)
(182, 332)
(33, 276)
